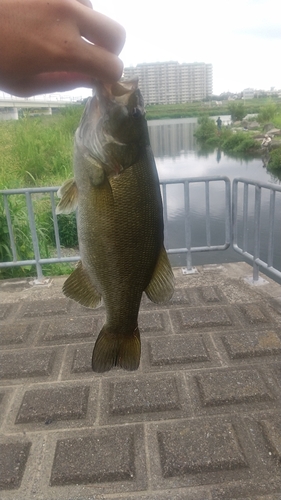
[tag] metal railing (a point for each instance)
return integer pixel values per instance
(189, 249)
(37, 261)
(243, 248)
(31, 193)
(231, 233)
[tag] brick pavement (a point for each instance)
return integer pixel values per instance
(200, 419)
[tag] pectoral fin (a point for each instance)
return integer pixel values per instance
(94, 169)
(79, 287)
(68, 193)
(161, 286)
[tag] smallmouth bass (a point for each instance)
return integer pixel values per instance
(120, 221)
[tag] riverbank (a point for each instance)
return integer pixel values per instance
(246, 137)
(237, 108)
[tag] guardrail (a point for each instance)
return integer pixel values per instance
(189, 249)
(231, 233)
(30, 193)
(37, 261)
(243, 249)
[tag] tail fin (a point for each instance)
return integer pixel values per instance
(112, 349)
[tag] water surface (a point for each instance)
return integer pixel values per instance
(178, 156)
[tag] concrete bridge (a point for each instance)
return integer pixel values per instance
(9, 105)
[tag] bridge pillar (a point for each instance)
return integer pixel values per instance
(9, 114)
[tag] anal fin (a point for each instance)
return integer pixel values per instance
(79, 287)
(161, 286)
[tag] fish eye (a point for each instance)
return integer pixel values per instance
(136, 112)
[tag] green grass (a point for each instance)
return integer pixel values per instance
(36, 152)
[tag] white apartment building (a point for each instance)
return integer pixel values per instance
(171, 82)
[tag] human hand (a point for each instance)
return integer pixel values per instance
(42, 49)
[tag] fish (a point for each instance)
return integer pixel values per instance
(119, 219)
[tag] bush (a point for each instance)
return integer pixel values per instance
(267, 113)
(239, 143)
(206, 130)
(68, 230)
(237, 111)
(275, 159)
(22, 238)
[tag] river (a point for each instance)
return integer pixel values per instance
(178, 155)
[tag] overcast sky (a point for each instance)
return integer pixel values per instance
(241, 38)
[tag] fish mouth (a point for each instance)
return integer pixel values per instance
(119, 93)
(116, 90)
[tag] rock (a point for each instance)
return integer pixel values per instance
(268, 127)
(250, 125)
(274, 131)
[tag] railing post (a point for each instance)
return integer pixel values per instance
(271, 228)
(32, 226)
(257, 232)
(187, 227)
(10, 227)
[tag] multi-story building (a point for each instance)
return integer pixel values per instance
(248, 94)
(171, 82)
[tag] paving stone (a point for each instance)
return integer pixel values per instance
(144, 395)
(30, 363)
(105, 456)
(71, 328)
(154, 322)
(15, 333)
(176, 350)
(253, 313)
(257, 489)
(275, 303)
(181, 296)
(272, 432)
(13, 458)
(202, 411)
(246, 345)
(199, 448)
(232, 386)
(172, 494)
(5, 310)
(54, 404)
(209, 294)
(40, 308)
(82, 359)
(203, 317)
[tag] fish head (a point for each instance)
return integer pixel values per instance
(113, 128)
